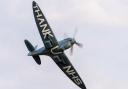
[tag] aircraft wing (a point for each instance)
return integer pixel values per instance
(65, 65)
(45, 31)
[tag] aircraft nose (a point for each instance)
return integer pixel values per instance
(73, 41)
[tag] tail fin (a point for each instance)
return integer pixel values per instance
(31, 48)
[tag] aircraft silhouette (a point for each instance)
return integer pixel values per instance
(53, 48)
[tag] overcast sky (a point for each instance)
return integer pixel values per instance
(102, 28)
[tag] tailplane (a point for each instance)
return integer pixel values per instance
(31, 48)
(37, 59)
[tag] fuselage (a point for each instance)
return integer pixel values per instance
(62, 46)
(66, 43)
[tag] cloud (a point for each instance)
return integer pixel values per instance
(102, 12)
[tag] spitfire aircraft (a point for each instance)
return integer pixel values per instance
(53, 48)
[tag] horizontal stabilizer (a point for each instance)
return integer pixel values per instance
(31, 49)
(29, 45)
(37, 59)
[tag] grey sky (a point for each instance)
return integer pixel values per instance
(102, 28)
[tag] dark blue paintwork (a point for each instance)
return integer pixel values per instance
(53, 48)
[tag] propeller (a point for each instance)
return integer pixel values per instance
(75, 42)
(79, 44)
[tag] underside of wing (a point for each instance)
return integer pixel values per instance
(45, 31)
(65, 65)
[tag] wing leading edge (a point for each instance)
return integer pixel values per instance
(45, 31)
(65, 65)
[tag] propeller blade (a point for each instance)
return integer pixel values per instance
(75, 32)
(79, 44)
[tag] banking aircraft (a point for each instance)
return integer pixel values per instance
(53, 48)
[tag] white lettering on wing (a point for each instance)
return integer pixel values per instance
(46, 32)
(37, 11)
(70, 71)
(40, 20)
(53, 50)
